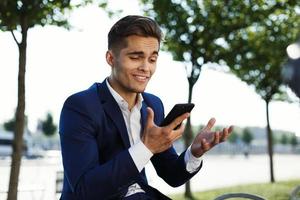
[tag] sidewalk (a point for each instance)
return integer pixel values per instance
(224, 170)
(37, 178)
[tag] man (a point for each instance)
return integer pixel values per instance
(109, 132)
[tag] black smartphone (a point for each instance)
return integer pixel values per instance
(176, 111)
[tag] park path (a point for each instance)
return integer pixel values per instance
(37, 178)
(225, 170)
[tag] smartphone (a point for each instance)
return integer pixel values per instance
(176, 111)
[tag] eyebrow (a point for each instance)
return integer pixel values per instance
(140, 53)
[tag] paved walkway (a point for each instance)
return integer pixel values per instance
(37, 178)
(225, 170)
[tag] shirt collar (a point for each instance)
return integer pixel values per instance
(121, 101)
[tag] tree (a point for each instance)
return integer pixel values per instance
(247, 139)
(47, 126)
(257, 53)
(294, 141)
(17, 17)
(291, 70)
(233, 138)
(247, 136)
(10, 125)
(20, 16)
(197, 32)
(284, 139)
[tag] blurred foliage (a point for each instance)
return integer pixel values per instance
(233, 138)
(32, 12)
(48, 127)
(38, 12)
(10, 124)
(284, 139)
(247, 136)
(258, 52)
(249, 36)
(293, 140)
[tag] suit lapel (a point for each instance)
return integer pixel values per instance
(112, 109)
(143, 115)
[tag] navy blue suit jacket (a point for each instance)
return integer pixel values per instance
(95, 143)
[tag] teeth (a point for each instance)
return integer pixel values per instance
(142, 78)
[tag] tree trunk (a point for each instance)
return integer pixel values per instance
(188, 138)
(20, 119)
(270, 144)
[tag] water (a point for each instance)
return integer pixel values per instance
(38, 177)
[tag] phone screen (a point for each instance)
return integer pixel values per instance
(176, 111)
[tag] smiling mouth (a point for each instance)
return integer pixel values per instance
(140, 78)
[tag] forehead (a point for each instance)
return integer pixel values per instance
(143, 44)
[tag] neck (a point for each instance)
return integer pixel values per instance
(129, 97)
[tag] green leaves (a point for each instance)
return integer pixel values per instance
(249, 36)
(48, 127)
(258, 52)
(35, 12)
(29, 13)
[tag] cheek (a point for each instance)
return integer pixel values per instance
(120, 67)
(153, 69)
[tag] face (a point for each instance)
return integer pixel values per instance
(133, 66)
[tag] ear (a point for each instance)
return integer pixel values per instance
(110, 58)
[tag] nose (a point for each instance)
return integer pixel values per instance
(145, 65)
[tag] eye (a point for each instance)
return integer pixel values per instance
(134, 57)
(153, 59)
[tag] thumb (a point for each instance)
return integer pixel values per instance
(150, 117)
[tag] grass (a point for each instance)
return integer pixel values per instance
(277, 191)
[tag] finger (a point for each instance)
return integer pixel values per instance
(177, 121)
(209, 124)
(178, 133)
(150, 117)
(225, 134)
(170, 138)
(216, 138)
(181, 128)
(230, 129)
(177, 137)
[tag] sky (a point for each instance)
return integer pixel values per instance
(62, 62)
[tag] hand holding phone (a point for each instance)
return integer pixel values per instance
(176, 111)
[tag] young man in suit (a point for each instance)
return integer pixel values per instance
(110, 131)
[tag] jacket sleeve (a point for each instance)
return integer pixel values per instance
(170, 166)
(86, 177)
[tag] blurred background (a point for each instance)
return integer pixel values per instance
(238, 61)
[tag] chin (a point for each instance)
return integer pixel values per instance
(139, 89)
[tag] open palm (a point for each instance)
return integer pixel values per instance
(207, 139)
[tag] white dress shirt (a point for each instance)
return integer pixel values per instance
(140, 154)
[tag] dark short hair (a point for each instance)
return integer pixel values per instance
(132, 25)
